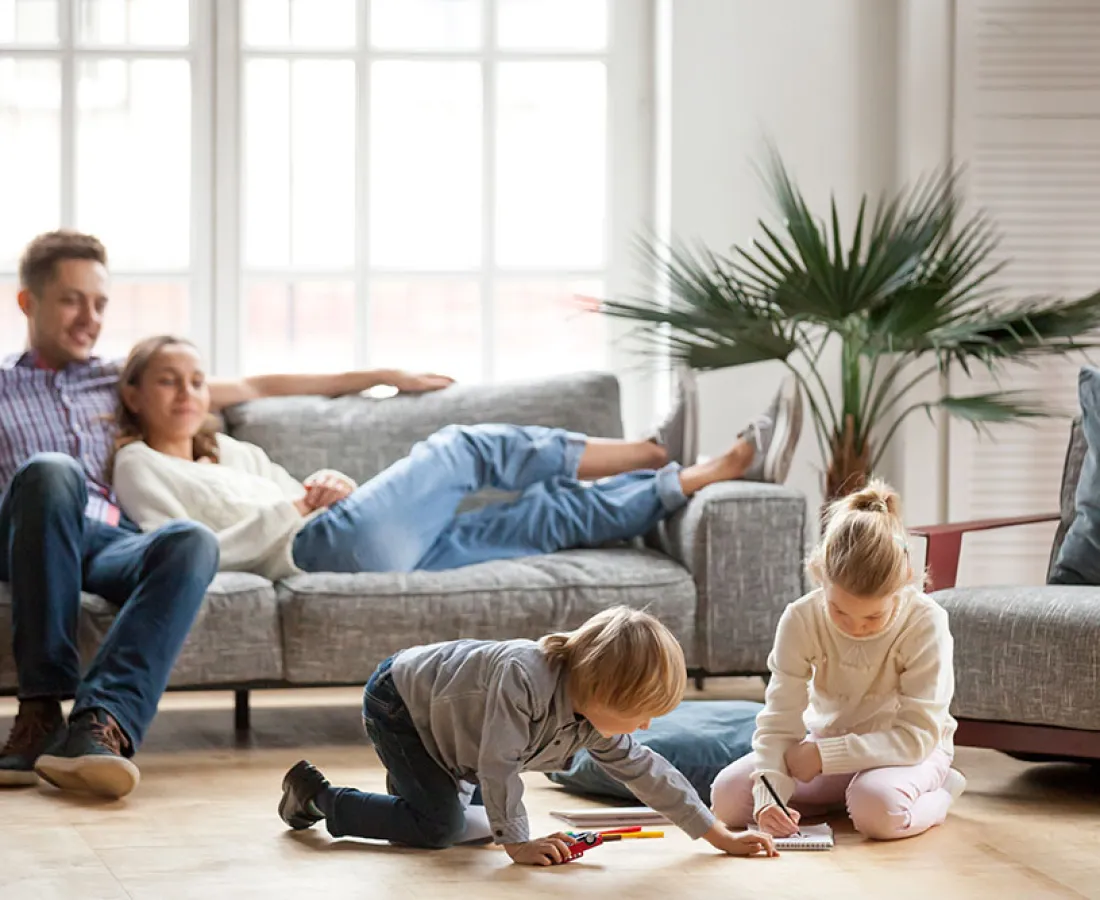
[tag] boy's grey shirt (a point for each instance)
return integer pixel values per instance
(489, 710)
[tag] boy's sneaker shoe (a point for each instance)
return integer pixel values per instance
(89, 758)
(775, 435)
(300, 786)
(679, 432)
(38, 724)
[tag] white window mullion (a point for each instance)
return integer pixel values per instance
(488, 188)
(362, 188)
(204, 234)
(67, 33)
(631, 190)
(228, 191)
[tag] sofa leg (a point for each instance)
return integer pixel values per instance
(241, 711)
(700, 682)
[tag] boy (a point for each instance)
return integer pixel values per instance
(447, 715)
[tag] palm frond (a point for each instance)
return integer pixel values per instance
(915, 282)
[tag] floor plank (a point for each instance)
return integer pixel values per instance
(202, 824)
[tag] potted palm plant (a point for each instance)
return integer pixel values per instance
(907, 295)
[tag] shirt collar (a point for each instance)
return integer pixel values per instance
(28, 359)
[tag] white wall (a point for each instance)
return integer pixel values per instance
(822, 81)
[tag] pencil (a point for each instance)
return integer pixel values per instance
(771, 790)
(636, 834)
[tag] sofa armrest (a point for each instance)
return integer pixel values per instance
(744, 544)
(945, 544)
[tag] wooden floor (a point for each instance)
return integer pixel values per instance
(203, 824)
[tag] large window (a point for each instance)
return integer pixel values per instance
(321, 184)
(98, 104)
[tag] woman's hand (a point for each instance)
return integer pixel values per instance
(325, 489)
(743, 843)
(803, 761)
(774, 821)
(542, 851)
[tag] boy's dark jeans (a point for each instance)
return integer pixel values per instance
(427, 810)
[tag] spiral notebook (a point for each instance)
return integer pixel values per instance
(809, 837)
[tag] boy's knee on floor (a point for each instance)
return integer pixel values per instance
(444, 830)
(877, 810)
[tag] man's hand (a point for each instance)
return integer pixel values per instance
(743, 843)
(324, 489)
(411, 383)
(803, 761)
(542, 851)
(774, 821)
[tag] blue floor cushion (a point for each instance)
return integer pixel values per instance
(699, 737)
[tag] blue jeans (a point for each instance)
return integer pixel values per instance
(405, 518)
(50, 551)
(425, 808)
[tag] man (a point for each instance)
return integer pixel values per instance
(61, 531)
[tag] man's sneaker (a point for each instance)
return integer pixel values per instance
(38, 724)
(679, 432)
(89, 758)
(300, 786)
(775, 435)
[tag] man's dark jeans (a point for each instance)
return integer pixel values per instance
(50, 551)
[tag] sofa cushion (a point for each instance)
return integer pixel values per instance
(1078, 556)
(700, 738)
(1026, 654)
(362, 436)
(235, 638)
(337, 628)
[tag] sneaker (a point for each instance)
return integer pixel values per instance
(954, 783)
(300, 786)
(679, 432)
(89, 758)
(775, 435)
(38, 724)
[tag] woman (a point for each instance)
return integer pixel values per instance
(576, 491)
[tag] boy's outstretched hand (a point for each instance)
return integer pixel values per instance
(545, 851)
(740, 843)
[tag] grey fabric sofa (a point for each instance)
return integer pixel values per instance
(729, 563)
(1027, 659)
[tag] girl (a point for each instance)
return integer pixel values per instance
(865, 663)
(172, 466)
(445, 716)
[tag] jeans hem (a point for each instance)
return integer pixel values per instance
(124, 721)
(572, 453)
(669, 490)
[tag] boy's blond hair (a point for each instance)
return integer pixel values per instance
(622, 659)
(865, 548)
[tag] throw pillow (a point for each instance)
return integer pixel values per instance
(1078, 560)
(699, 737)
